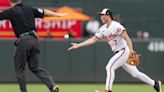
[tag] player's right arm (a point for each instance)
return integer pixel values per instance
(88, 42)
(98, 35)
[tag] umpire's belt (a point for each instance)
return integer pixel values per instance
(32, 33)
(119, 50)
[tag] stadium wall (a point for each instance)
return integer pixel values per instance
(136, 15)
(85, 64)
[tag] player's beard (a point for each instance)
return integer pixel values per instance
(105, 20)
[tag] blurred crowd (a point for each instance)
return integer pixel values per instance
(145, 35)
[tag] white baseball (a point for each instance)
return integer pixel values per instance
(132, 62)
(66, 36)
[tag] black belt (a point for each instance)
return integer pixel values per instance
(119, 50)
(33, 33)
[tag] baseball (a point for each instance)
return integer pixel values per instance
(132, 63)
(66, 36)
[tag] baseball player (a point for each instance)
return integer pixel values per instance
(22, 18)
(116, 36)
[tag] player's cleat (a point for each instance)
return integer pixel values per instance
(157, 86)
(96, 90)
(103, 91)
(55, 89)
(107, 91)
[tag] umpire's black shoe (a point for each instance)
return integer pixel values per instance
(55, 89)
(157, 86)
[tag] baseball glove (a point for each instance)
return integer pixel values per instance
(134, 59)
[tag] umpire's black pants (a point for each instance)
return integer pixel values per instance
(27, 51)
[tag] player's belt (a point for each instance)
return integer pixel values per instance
(119, 50)
(33, 33)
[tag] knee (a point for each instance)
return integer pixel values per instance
(35, 69)
(109, 68)
(32, 69)
(20, 75)
(135, 75)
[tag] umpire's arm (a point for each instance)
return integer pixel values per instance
(53, 14)
(4, 15)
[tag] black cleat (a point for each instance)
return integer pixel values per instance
(157, 86)
(55, 89)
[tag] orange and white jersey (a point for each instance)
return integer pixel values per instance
(112, 34)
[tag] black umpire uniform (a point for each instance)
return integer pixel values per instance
(22, 18)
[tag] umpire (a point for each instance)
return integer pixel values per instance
(22, 18)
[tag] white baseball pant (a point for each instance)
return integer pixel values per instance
(120, 60)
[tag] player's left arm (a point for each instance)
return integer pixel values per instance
(53, 14)
(125, 35)
(133, 56)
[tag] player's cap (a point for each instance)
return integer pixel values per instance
(105, 11)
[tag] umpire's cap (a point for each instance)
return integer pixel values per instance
(106, 11)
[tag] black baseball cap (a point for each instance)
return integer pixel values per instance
(106, 11)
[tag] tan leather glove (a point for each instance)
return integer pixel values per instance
(134, 59)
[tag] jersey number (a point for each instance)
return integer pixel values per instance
(115, 42)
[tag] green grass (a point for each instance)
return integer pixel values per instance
(79, 88)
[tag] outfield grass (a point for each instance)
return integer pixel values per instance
(79, 88)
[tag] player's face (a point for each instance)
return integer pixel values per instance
(104, 18)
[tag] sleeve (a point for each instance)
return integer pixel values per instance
(120, 29)
(38, 13)
(99, 34)
(4, 15)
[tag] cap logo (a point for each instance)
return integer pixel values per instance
(104, 11)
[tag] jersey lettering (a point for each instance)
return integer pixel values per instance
(110, 37)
